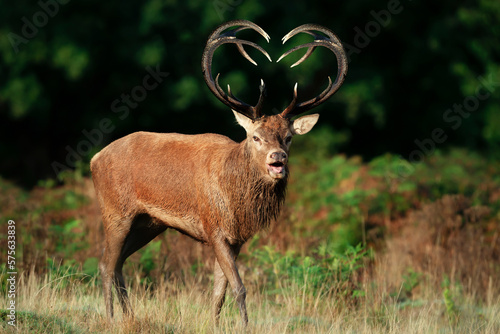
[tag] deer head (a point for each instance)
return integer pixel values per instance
(269, 136)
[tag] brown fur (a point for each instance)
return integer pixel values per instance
(257, 202)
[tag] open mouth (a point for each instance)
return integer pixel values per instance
(276, 168)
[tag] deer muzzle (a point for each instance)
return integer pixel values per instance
(276, 164)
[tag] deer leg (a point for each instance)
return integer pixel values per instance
(121, 291)
(107, 279)
(225, 258)
(220, 285)
(107, 267)
(143, 230)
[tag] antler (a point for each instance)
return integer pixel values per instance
(329, 41)
(216, 39)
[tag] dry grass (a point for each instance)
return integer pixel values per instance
(48, 304)
(444, 241)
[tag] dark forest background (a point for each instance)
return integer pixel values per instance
(422, 75)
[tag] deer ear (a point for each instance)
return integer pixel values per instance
(242, 120)
(304, 124)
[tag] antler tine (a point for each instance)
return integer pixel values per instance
(216, 39)
(292, 104)
(330, 41)
(327, 89)
(309, 51)
(262, 89)
(244, 24)
(230, 97)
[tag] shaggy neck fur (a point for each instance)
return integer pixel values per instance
(255, 199)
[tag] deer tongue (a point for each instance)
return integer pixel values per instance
(276, 168)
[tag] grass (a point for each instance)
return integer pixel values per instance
(46, 305)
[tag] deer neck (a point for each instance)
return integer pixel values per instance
(254, 200)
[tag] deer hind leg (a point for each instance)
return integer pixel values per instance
(143, 230)
(121, 290)
(107, 280)
(226, 255)
(113, 245)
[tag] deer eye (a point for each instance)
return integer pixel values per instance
(288, 139)
(256, 139)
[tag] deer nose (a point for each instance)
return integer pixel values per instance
(278, 156)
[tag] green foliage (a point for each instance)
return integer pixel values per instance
(448, 296)
(319, 188)
(91, 266)
(3, 276)
(319, 144)
(149, 257)
(70, 230)
(63, 274)
(410, 281)
(37, 323)
(72, 59)
(72, 176)
(344, 198)
(24, 93)
(322, 272)
(456, 172)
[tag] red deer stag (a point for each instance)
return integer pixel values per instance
(206, 186)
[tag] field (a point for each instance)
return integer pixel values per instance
(380, 246)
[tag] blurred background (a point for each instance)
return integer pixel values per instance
(64, 63)
(393, 207)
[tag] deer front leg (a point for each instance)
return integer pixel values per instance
(225, 266)
(220, 285)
